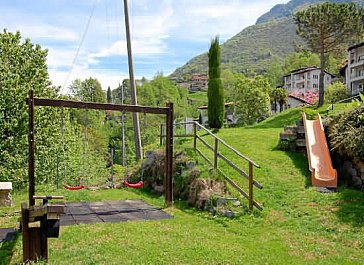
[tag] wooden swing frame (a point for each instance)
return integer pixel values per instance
(168, 111)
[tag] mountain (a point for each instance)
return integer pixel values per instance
(287, 10)
(272, 38)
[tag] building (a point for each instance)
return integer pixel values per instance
(230, 114)
(354, 70)
(198, 82)
(305, 80)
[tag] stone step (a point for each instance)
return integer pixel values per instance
(288, 136)
(301, 129)
(290, 129)
(300, 142)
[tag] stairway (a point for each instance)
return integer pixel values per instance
(293, 138)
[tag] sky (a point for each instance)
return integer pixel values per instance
(86, 38)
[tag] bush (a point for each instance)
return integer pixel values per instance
(346, 133)
(335, 92)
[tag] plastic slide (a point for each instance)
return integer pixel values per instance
(319, 160)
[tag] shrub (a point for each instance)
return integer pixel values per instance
(346, 133)
(335, 92)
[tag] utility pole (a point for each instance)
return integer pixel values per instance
(138, 144)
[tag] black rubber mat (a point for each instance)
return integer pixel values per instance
(109, 211)
(7, 234)
(97, 212)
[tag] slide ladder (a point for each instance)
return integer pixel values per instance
(319, 159)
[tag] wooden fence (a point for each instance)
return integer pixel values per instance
(215, 148)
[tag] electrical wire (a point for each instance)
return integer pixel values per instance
(80, 44)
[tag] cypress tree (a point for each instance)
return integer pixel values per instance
(215, 93)
(109, 95)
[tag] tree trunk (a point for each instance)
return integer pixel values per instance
(322, 76)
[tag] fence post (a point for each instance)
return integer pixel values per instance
(216, 152)
(194, 135)
(251, 182)
(161, 135)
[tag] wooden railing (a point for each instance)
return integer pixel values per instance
(217, 154)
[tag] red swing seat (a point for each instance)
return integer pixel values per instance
(138, 185)
(80, 187)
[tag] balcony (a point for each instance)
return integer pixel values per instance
(355, 64)
(357, 77)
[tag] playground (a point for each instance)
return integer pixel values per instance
(297, 226)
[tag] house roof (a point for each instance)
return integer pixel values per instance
(299, 99)
(227, 104)
(306, 69)
(355, 46)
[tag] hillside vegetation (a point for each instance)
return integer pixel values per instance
(272, 38)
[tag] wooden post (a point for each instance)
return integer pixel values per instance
(194, 135)
(25, 231)
(216, 152)
(168, 181)
(251, 182)
(31, 149)
(161, 135)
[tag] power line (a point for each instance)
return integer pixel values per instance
(80, 45)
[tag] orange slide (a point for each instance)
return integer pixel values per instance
(319, 160)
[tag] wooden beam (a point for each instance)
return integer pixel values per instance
(240, 171)
(99, 106)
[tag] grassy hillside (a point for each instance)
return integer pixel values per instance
(251, 49)
(297, 226)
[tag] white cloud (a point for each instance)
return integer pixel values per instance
(105, 77)
(165, 33)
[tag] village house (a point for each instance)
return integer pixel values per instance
(230, 114)
(305, 79)
(353, 71)
(198, 82)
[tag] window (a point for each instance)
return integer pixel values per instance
(315, 76)
(315, 86)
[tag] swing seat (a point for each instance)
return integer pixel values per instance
(74, 187)
(138, 185)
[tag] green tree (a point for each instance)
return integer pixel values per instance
(327, 28)
(335, 92)
(278, 96)
(215, 93)
(253, 102)
(88, 90)
(23, 67)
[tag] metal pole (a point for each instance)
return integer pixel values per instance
(168, 181)
(31, 162)
(138, 144)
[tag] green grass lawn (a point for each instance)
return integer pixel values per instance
(297, 226)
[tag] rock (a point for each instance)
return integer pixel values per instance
(353, 173)
(159, 189)
(226, 213)
(221, 201)
(357, 182)
(347, 166)
(190, 165)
